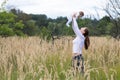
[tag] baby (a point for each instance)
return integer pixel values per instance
(78, 15)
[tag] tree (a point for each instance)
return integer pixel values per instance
(102, 25)
(30, 28)
(45, 34)
(9, 26)
(113, 10)
(41, 20)
(21, 15)
(5, 30)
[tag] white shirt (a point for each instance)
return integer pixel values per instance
(78, 42)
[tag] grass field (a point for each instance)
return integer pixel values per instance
(31, 58)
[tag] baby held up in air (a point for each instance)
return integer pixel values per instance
(78, 15)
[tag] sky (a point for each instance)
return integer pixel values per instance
(57, 8)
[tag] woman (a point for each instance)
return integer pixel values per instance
(81, 40)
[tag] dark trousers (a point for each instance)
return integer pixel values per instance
(78, 62)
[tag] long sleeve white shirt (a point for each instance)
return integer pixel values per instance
(78, 42)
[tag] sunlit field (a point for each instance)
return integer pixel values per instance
(31, 58)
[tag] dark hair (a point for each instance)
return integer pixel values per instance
(87, 40)
(81, 13)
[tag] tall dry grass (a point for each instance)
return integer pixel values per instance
(31, 58)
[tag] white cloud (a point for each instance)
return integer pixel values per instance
(55, 8)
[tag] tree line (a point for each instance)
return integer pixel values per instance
(16, 22)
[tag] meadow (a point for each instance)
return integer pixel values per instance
(31, 58)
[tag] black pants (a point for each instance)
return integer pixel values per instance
(78, 62)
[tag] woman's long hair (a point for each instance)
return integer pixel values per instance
(87, 40)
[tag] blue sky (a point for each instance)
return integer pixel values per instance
(56, 8)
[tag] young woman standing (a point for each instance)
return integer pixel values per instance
(81, 40)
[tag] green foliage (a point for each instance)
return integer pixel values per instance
(68, 31)
(45, 34)
(6, 31)
(103, 25)
(30, 28)
(41, 20)
(20, 23)
(6, 18)
(9, 26)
